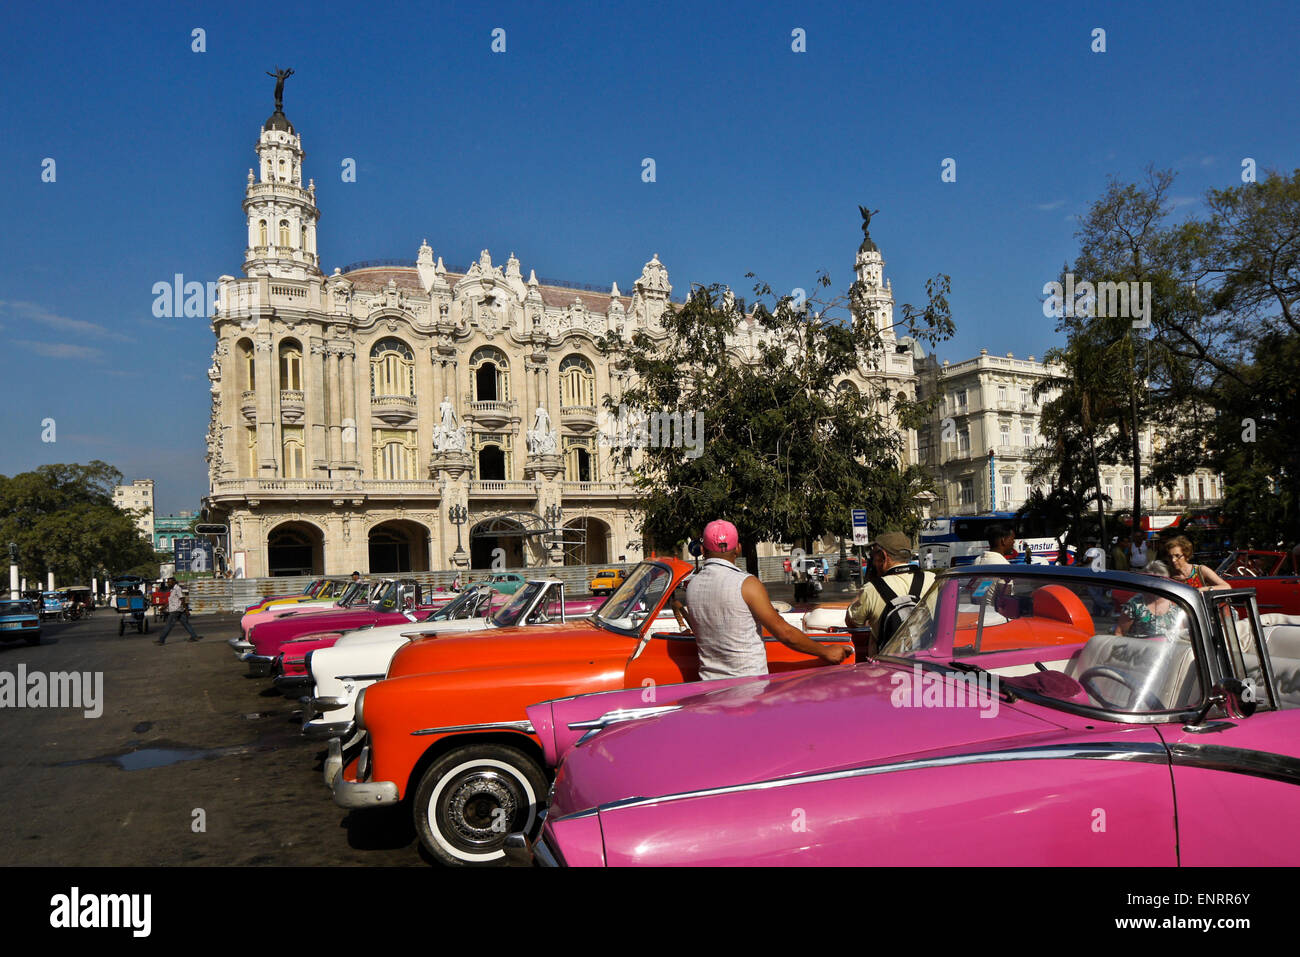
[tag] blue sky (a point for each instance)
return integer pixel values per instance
(762, 156)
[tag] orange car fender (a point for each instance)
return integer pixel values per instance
(402, 715)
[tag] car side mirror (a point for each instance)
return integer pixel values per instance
(1235, 697)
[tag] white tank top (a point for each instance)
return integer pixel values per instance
(727, 635)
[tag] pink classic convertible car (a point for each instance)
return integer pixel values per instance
(1042, 716)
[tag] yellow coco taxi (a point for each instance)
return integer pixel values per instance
(606, 580)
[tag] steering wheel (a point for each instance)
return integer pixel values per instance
(1245, 571)
(1085, 679)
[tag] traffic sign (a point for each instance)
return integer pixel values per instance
(859, 520)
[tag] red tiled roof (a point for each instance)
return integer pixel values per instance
(560, 297)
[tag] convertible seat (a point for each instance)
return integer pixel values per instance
(1164, 667)
(1282, 636)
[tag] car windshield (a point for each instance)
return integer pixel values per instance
(315, 587)
(1091, 642)
(15, 608)
(470, 604)
(392, 598)
(509, 613)
(635, 599)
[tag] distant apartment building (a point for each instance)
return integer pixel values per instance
(168, 528)
(983, 436)
(138, 498)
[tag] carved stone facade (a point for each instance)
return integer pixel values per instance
(354, 415)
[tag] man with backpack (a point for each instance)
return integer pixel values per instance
(891, 592)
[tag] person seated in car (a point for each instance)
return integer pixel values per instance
(1150, 615)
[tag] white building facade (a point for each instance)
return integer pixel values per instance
(138, 498)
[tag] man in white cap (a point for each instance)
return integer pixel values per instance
(728, 609)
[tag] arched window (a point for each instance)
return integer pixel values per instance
(491, 373)
(290, 365)
(577, 382)
(250, 452)
(293, 451)
(261, 234)
(246, 367)
(491, 463)
(284, 232)
(395, 454)
(392, 368)
(579, 460)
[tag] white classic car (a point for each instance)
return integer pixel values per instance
(360, 658)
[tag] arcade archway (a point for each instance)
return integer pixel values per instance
(586, 542)
(295, 548)
(398, 546)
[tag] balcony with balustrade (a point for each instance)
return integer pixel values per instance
(292, 406)
(393, 410)
(491, 414)
(578, 418)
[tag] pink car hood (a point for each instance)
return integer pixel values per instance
(763, 728)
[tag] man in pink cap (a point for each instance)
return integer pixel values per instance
(728, 610)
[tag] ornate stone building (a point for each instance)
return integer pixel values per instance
(355, 415)
(391, 418)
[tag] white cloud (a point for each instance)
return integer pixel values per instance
(59, 350)
(34, 312)
(1048, 207)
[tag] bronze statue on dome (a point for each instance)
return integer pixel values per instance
(280, 77)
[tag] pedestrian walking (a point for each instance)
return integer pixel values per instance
(178, 609)
(728, 609)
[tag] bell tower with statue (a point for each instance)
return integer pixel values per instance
(282, 215)
(876, 301)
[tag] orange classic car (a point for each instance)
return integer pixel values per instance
(448, 729)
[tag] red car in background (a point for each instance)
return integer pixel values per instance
(1272, 574)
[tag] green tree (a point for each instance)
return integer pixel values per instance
(785, 450)
(1235, 407)
(63, 519)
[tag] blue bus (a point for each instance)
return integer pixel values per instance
(949, 541)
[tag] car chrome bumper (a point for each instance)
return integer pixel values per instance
(329, 729)
(290, 682)
(239, 644)
(351, 794)
(521, 852)
(259, 666)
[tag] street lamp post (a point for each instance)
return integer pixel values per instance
(458, 515)
(553, 514)
(13, 570)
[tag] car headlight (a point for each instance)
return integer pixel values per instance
(360, 709)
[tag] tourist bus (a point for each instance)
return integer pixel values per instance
(960, 539)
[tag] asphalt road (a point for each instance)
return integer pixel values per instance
(182, 730)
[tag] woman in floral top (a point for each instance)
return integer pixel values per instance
(1153, 616)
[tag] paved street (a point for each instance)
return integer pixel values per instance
(181, 729)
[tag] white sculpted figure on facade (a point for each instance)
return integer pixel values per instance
(448, 436)
(542, 439)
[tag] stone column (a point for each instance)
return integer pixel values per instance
(332, 415)
(267, 404)
(314, 379)
(350, 435)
